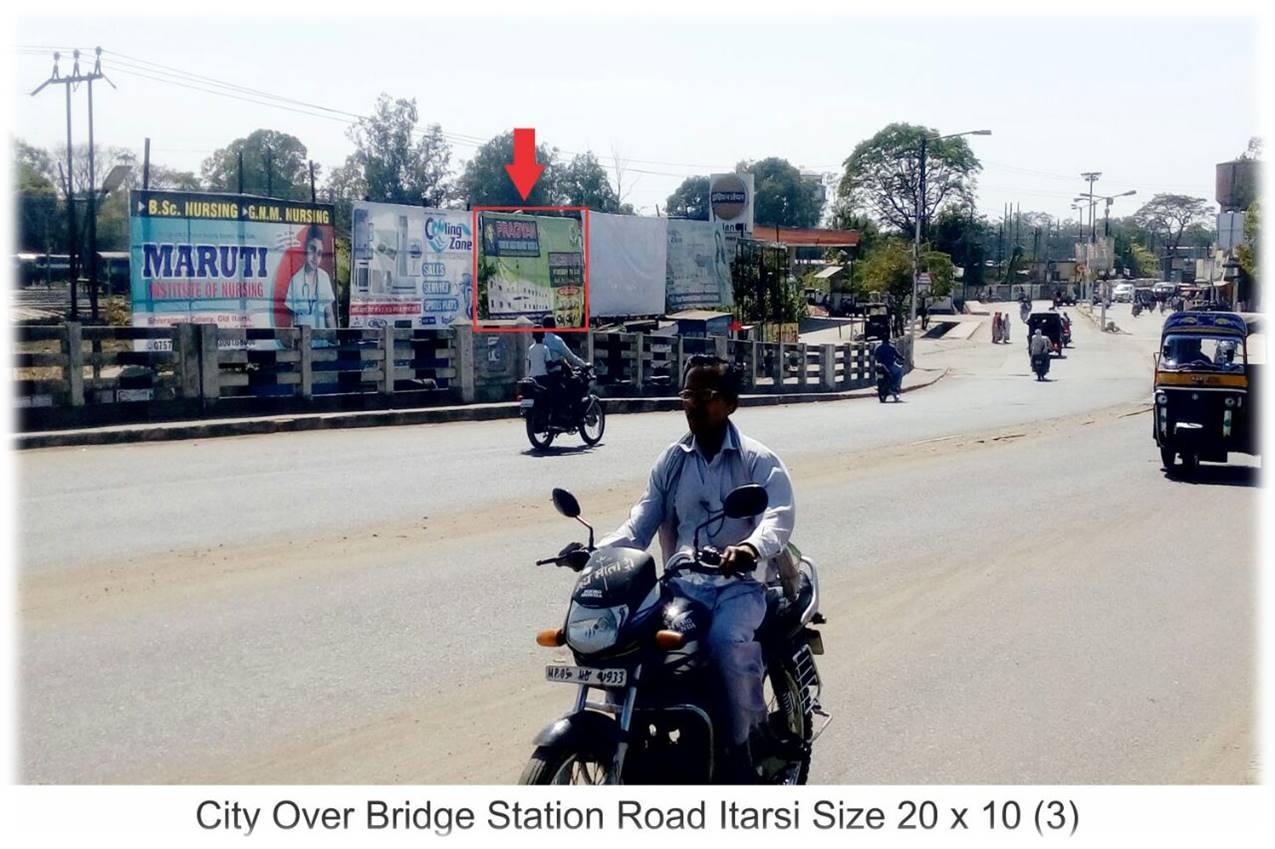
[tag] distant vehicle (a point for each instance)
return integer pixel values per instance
(1051, 326)
(1123, 293)
(1164, 289)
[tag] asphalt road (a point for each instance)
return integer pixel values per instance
(1016, 593)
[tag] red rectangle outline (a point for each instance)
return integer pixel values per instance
(479, 328)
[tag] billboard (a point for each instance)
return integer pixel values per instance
(410, 266)
(698, 265)
(237, 261)
(730, 204)
(535, 267)
(628, 264)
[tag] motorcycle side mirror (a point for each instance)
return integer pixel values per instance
(747, 500)
(566, 504)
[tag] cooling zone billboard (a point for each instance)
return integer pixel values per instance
(410, 266)
(232, 260)
(534, 266)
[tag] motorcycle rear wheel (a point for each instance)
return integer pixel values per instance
(786, 712)
(559, 765)
(539, 438)
(593, 423)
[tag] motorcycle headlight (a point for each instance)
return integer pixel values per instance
(591, 630)
(1230, 401)
(1161, 398)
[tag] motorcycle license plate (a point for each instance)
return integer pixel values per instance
(526, 404)
(585, 675)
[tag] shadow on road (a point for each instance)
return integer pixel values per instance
(555, 450)
(1219, 476)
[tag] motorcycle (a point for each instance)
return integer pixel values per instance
(643, 647)
(546, 417)
(885, 382)
(1040, 365)
(1137, 308)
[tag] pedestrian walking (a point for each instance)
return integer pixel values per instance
(996, 328)
(1005, 329)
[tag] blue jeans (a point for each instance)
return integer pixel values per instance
(737, 609)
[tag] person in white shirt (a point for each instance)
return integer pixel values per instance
(310, 297)
(538, 357)
(690, 480)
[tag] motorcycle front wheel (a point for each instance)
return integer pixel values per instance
(538, 432)
(559, 765)
(593, 423)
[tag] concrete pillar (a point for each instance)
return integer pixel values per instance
(186, 349)
(463, 359)
(752, 364)
(74, 342)
(305, 348)
(778, 366)
(638, 368)
(802, 365)
(209, 369)
(828, 366)
(387, 364)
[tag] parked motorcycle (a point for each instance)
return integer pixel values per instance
(579, 409)
(640, 649)
(1040, 365)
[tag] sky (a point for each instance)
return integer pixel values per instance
(1151, 103)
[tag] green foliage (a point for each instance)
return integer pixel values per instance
(1247, 254)
(399, 163)
(887, 269)
(781, 198)
(583, 182)
(942, 272)
(1142, 261)
(882, 175)
(485, 182)
(274, 164)
(690, 199)
(1169, 216)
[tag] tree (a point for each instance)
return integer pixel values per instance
(1168, 216)
(400, 164)
(845, 218)
(274, 164)
(941, 270)
(781, 198)
(345, 185)
(962, 238)
(41, 214)
(1247, 254)
(1254, 149)
(882, 175)
(583, 182)
(887, 269)
(690, 199)
(485, 181)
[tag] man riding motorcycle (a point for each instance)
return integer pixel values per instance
(887, 355)
(556, 353)
(688, 483)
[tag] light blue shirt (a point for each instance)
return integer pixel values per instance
(559, 351)
(674, 508)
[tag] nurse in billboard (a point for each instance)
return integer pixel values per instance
(310, 298)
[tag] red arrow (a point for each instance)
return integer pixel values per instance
(524, 170)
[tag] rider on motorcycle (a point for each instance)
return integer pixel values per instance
(688, 483)
(888, 355)
(1039, 347)
(556, 353)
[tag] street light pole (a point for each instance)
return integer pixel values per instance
(916, 243)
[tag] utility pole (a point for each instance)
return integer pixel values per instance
(1092, 177)
(76, 77)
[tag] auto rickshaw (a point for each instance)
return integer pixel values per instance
(1205, 400)
(877, 322)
